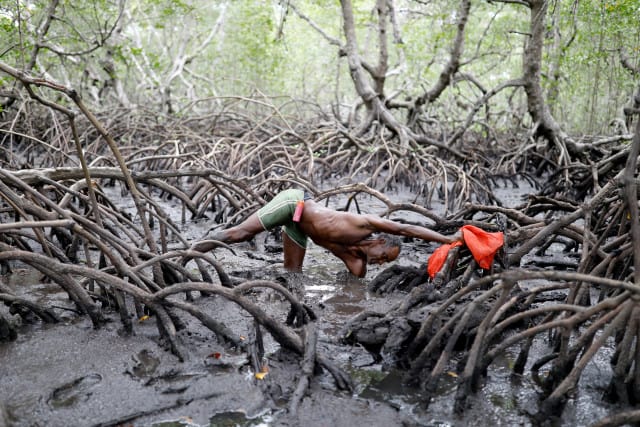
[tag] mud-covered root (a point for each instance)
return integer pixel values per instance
(299, 314)
(418, 297)
(221, 331)
(307, 367)
(168, 333)
(284, 335)
(493, 313)
(550, 411)
(342, 379)
(431, 361)
(567, 368)
(369, 329)
(7, 330)
(398, 278)
(445, 274)
(473, 370)
(25, 309)
(620, 419)
(385, 337)
(76, 293)
(624, 386)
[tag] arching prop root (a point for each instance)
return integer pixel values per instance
(107, 270)
(620, 419)
(162, 307)
(474, 326)
(472, 318)
(308, 366)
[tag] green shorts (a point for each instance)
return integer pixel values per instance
(279, 211)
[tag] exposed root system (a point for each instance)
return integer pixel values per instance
(134, 261)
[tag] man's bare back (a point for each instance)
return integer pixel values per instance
(322, 224)
(328, 225)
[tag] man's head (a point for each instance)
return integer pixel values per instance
(381, 248)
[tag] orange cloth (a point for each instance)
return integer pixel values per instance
(482, 244)
(438, 257)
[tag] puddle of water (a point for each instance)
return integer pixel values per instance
(319, 288)
(222, 419)
(237, 419)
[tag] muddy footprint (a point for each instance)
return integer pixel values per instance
(145, 365)
(78, 390)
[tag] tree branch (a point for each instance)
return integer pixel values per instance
(453, 64)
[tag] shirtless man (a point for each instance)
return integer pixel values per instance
(348, 236)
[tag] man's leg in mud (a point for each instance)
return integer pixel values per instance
(239, 233)
(293, 254)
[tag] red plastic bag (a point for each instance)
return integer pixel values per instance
(482, 244)
(438, 257)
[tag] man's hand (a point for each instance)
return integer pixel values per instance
(457, 237)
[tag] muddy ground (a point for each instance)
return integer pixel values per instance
(70, 374)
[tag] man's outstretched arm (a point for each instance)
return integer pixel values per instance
(392, 227)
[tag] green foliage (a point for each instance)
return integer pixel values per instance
(594, 86)
(160, 13)
(251, 50)
(14, 20)
(195, 48)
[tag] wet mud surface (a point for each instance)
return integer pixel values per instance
(70, 374)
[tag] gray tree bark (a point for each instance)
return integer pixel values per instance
(544, 123)
(373, 100)
(453, 65)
